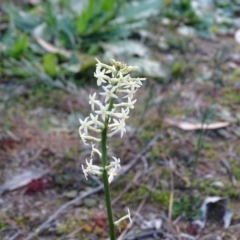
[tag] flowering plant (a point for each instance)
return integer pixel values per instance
(108, 118)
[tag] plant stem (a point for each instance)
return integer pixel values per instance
(109, 206)
(105, 178)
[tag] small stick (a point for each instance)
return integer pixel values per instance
(16, 235)
(226, 164)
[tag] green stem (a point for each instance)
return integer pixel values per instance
(109, 206)
(105, 177)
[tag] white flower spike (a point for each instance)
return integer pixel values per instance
(117, 84)
(108, 118)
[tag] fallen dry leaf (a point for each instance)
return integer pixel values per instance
(51, 48)
(21, 180)
(195, 126)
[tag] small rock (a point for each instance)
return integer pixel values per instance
(90, 202)
(71, 194)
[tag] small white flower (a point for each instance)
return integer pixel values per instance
(128, 91)
(138, 80)
(82, 136)
(123, 114)
(93, 169)
(104, 111)
(129, 94)
(116, 163)
(109, 93)
(95, 150)
(92, 101)
(123, 218)
(85, 172)
(132, 85)
(123, 80)
(112, 172)
(100, 76)
(85, 125)
(129, 104)
(96, 121)
(117, 126)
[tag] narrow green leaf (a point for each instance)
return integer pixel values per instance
(85, 17)
(82, 23)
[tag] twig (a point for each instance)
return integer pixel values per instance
(72, 234)
(187, 236)
(226, 164)
(152, 234)
(145, 163)
(93, 191)
(16, 235)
